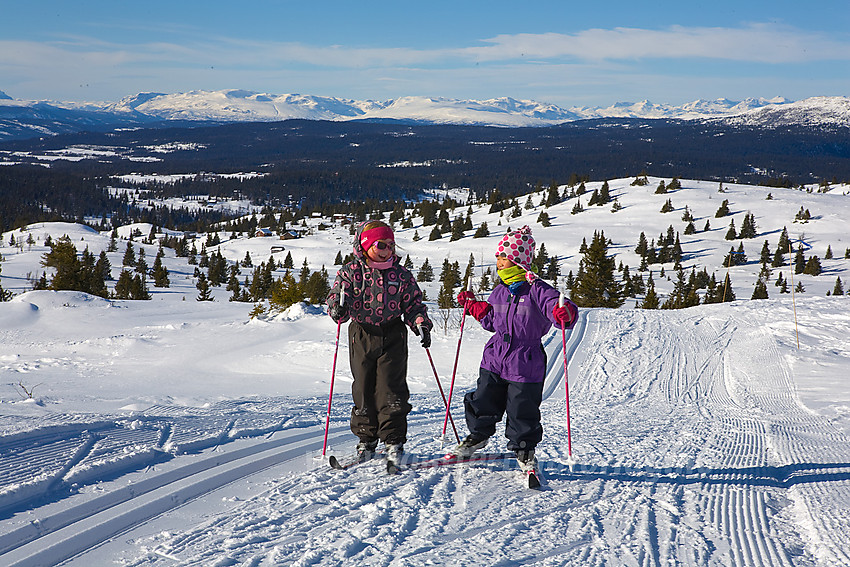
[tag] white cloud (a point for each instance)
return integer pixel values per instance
(758, 43)
(503, 65)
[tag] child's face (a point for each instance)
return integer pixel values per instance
(502, 262)
(381, 250)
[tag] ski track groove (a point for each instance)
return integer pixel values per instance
(686, 459)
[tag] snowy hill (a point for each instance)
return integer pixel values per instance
(174, 431)
(817, 111)
(235, 105)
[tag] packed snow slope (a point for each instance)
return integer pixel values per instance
(178, 432)
(695, 439)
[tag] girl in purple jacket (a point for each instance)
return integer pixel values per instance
(519, 312)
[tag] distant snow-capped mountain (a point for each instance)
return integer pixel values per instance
(22, 119)
(815, 111)
(238, 106)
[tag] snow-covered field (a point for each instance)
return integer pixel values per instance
(177, 432)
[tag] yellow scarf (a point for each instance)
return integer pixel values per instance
(511, 275)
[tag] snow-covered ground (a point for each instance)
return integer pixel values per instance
(177, 432)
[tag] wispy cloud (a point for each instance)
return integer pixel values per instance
(190, 61)
(757, 43)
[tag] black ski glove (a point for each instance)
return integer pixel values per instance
(338, 312)
(425, 337)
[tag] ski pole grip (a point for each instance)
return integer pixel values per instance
(561, 300)
(341, 293)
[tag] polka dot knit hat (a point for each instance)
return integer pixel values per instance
(518, 247)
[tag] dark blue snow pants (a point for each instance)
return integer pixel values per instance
(495, 397)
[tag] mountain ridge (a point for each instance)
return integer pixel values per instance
(20, 119)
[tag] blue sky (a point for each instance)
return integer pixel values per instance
(561, 52)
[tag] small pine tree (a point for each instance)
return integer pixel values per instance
(129, 256)
(765, 257)
(597, 285)
(748, 227)
(813, 267)
(723, 210)
(760, 290)
(160, 272)
(650, 300)
(839, 287)
(203, 288)
(426, 272)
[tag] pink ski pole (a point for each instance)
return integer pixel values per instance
(570, 460)
(333, 370)
(454, 370)
(440, 386)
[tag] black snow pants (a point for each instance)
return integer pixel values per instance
(495, 396)
(378, 356)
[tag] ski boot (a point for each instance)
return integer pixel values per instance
(471, 444)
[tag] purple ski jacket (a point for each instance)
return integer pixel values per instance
(519, 321)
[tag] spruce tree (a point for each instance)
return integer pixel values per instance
(285, 292)
(760, 290)
(160, 272)
(764, 257)
(723, 210)
(123, 285)
(650, 300)
(129, 256)
(317, 287)
(203, 288)
(642, 245)
(604, 194)
(748, 227)
(426, 272)
(141, 262)
(799, 261)
(839, 287)
(813, 267)
(457, 229)
(598, 286)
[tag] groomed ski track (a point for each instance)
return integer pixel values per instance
(692, 448)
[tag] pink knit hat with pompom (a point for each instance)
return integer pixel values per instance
(518, 247)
